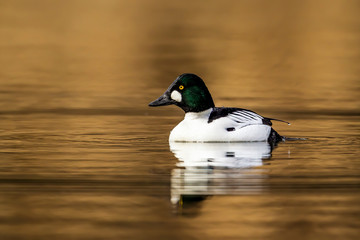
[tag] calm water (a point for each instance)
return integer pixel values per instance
(83, 157)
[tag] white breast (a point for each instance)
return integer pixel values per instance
(195, 128)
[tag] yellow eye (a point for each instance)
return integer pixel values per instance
(181, 87)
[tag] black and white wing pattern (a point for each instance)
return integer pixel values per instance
(240, 117)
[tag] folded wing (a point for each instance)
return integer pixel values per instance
(240, 117)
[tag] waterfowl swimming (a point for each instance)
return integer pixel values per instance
(204, 122)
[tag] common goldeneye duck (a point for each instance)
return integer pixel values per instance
(204, 122)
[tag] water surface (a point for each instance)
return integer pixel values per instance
(83, 157)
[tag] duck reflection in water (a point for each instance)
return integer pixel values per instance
(208, 169)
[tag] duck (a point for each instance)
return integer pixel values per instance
(203, 122)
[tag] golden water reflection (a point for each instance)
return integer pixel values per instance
(82, 156)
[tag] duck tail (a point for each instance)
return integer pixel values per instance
(275, 137)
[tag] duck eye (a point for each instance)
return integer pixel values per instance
(181, 87)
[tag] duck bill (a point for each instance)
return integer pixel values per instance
(162, 101)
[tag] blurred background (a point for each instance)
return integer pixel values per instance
(83, 156)
(116, 54)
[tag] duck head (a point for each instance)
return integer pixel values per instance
(188, 92)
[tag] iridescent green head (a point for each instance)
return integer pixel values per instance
(189, 92)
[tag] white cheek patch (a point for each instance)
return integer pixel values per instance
(175, 95)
